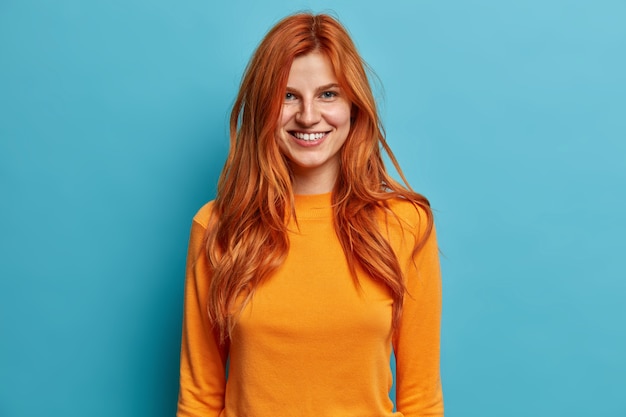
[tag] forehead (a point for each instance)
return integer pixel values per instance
(312, 69)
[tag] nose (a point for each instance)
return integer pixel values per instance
(308, 114)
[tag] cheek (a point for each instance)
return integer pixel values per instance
(280, 132)
(286, 114)
(340, 116)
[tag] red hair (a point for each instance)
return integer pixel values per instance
(247, 237)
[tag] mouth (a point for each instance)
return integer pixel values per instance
(308, 136)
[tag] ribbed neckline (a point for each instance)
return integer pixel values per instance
(313, 205)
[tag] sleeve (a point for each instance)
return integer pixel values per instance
(416, 343)
(202, 359)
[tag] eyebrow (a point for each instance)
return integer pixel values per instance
(318, 89)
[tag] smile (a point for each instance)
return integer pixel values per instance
(309, 136)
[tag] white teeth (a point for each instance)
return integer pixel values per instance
(309, 136)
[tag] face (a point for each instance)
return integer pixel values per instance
(314, 123)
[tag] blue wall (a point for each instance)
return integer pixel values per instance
(509, 116)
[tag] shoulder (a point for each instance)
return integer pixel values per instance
(410, 230)
(408, 215)
(203, 215)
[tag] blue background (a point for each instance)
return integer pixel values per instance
(509, 116)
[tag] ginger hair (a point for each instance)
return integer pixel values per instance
(247, 237)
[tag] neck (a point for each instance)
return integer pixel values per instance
(314, 181)
(308, 188)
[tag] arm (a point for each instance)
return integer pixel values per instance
(416, 343)
(202, 359)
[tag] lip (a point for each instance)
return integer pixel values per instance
(307, 143)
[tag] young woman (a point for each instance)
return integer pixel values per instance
(312, 263)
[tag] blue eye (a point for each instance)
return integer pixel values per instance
(329, 94)
(289, 96)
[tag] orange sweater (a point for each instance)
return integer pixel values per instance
(310, 343)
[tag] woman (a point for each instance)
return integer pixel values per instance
(312, 263)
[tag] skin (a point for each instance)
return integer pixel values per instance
(314, 105)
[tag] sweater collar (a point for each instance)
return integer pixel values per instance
(313, 205)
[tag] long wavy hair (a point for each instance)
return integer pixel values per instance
(247, 238)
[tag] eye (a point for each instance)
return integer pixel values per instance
(329, 94)
(289, 96)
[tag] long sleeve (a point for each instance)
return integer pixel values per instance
(417, 341)
(202, 359)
